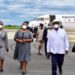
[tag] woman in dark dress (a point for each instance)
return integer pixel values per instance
(23, 38)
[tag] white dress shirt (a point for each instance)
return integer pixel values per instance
(48, 32)
(57, 42)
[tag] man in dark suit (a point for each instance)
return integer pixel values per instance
(45, 38)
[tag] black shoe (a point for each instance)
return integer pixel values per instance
(23, 73)
(1, 70)
(39, 53)
(60, 72)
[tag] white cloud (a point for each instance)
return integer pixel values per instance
(15, 6)
(2, 4)
(32, 8)
(2, 1)
(59, 3)
(24, 1)
(21, 8)
(5, 20)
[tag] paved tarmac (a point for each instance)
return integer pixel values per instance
(38, 65)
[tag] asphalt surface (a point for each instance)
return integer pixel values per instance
(38, 65)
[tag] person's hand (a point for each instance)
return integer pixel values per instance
(25, 40)
(21, 41)
(28, 40)
(48, 55)
(66, 52)
(7, 50)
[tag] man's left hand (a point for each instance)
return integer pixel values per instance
(48, 55)
(66, 52)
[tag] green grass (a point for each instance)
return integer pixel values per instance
(12, 27)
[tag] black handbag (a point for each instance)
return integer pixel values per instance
(16, 52)
(1, 46)
(73, 49)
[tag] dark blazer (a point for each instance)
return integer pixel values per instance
(45, 35)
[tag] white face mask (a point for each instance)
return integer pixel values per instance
(24, 26)
(56, 26)
(1, 26)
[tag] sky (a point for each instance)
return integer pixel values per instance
(15, 12)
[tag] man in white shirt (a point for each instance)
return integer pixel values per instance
(57, 47)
